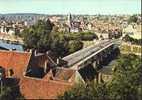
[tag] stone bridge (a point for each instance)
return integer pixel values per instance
(94, 55)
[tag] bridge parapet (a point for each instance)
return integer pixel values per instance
(95, 57)
(80, 57)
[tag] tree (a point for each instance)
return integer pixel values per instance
(58, 44)
(37, 36)
(90, 92)
(85, 36)
(127, 38)
(126, 78)
(40, 37)
(10, 93)
(62, 46)
(133, 19)
(74, 45)
(5, 93)
(88, 36)
(126, 83)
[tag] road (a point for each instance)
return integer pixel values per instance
(83, 53)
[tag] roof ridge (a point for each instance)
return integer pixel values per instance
(22, 52)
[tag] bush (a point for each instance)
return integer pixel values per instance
(37, 36)
(133, 19)
(41, 38)
(127, 38)
(74, 45)
(85, 36)
(125, 84)
(63, 46)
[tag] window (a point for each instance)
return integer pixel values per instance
(10, 72)
(2, 73)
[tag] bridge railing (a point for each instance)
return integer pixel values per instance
(82, 54)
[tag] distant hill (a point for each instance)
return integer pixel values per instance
(21, 14)
(26, 14)
(30, 14)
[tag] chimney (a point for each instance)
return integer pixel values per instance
(30, 50)
(57, 61)
(45, 66)
(13, 49)
(35, 53)
(47, 52)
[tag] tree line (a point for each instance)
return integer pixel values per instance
(127, 38)
(126, 83)
(40, 37)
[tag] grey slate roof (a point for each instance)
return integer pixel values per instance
(9, 46)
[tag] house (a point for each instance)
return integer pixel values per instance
(133, 31)
(14, 62)
(48, 87)
(39, 76)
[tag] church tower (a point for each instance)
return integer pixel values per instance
(69, 21)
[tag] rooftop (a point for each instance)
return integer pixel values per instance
(17, 61)
(9, 46)
(47, 87)
(64, 74)
(33, 88)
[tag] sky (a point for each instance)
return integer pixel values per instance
(71, 6)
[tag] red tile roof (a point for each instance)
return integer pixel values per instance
(34, 88)
(64, 74)
(17, 61)
(41, 89)
(48, 87)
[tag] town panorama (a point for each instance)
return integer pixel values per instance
(70, 50)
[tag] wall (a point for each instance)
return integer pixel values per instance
(130, 48)
(17, 61)
(38, 61)
(40, 89)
